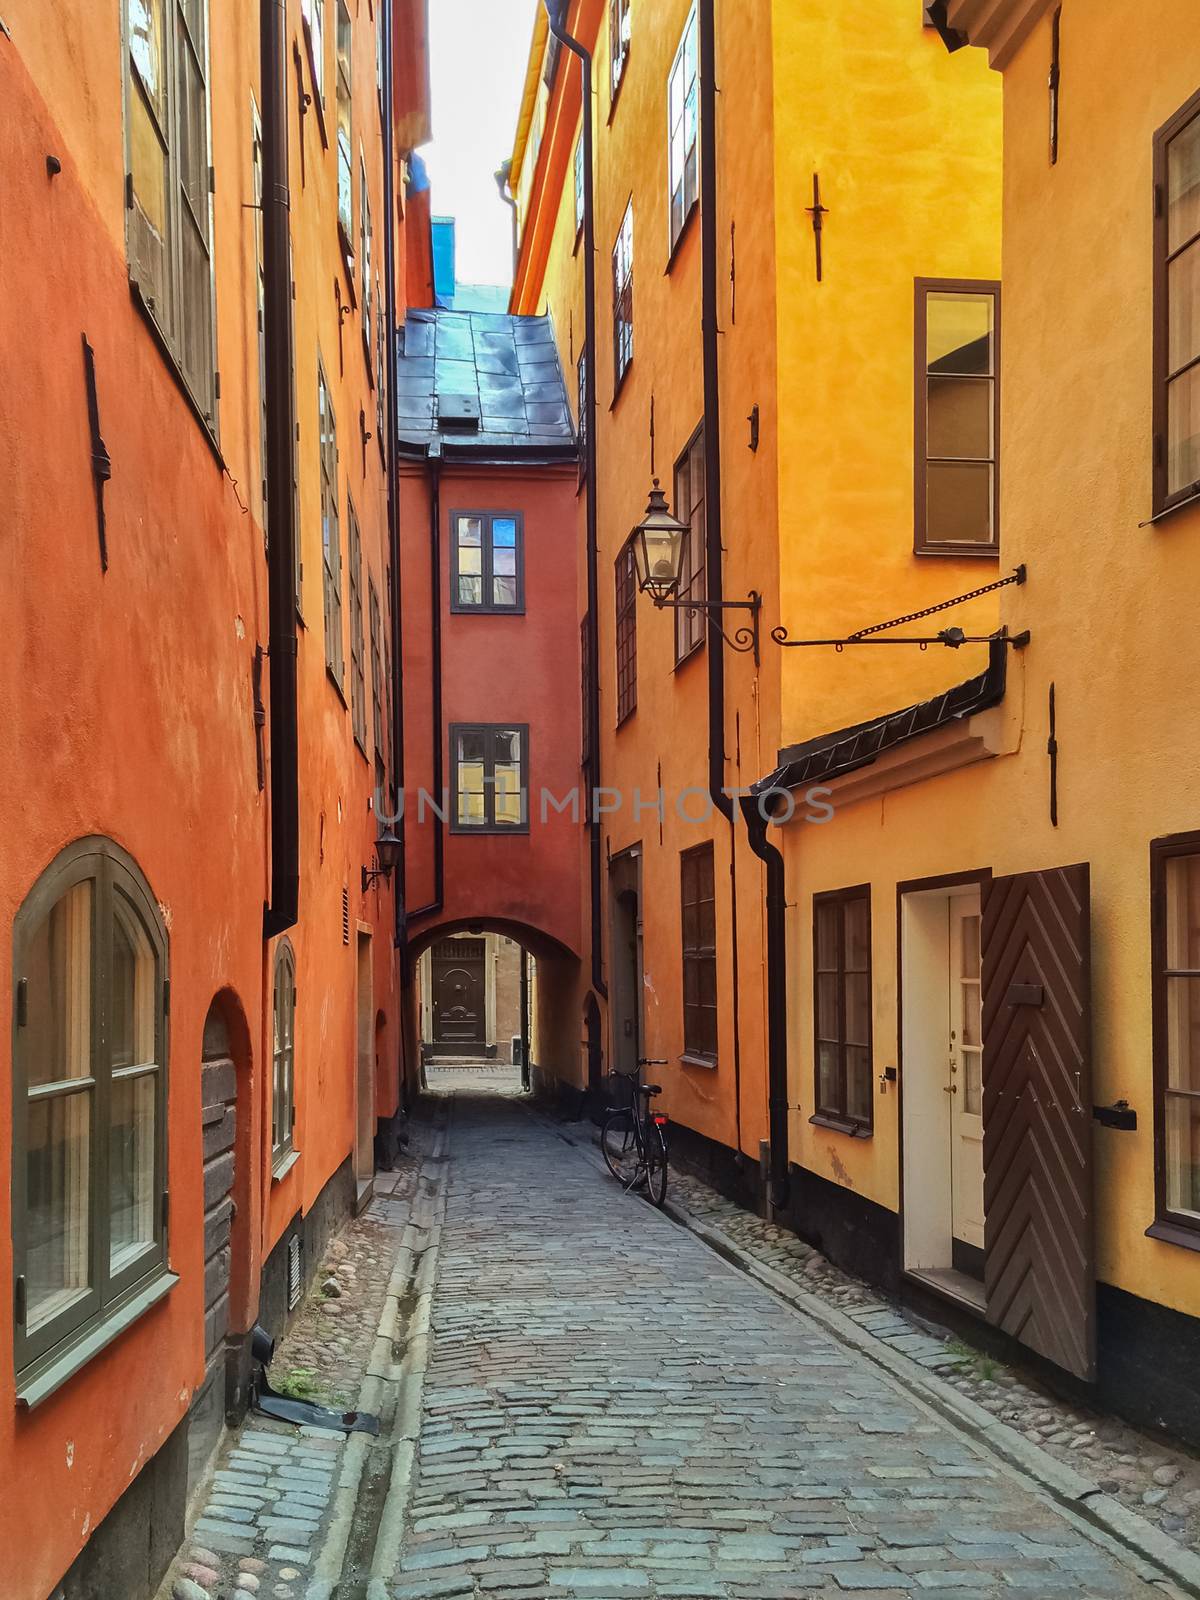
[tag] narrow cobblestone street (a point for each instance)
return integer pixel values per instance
(612, 1410)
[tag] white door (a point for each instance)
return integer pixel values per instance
(966, 1070)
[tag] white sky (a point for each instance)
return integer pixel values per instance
(479, 49)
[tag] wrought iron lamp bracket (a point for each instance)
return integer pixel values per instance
(744, 639)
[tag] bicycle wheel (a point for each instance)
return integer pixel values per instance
(619, 1144)
(656, 1164)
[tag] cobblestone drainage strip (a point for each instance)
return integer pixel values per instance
(361, 1547)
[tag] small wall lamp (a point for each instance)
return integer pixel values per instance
(658, 546)
(387, 857)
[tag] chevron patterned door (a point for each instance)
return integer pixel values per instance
(1039, 1271)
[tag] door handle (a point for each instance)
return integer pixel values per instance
(950, 1089)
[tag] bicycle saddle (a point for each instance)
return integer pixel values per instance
(651, 1089)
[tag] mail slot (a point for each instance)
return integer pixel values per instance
(1025, 994)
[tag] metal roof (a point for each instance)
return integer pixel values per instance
(833, 755)
(482, 384)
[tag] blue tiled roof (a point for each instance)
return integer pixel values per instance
(481, 382)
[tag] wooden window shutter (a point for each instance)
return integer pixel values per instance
(194, 213)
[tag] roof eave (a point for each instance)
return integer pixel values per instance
(999, 26)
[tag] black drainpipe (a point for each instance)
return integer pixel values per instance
(777, 1078)
(281, 911)
(715, 651)
(391, 345)
(556, 10)
(434, 467)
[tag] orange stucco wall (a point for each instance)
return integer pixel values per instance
(818, 518)
(127, 696)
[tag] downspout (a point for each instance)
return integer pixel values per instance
(502, 175)
(715, 653)
(391, 343)
(556, 10)
(777, 1074)
(433, 460)
(281, 911)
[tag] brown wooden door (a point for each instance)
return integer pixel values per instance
(1039, 1271)
(459, 1014)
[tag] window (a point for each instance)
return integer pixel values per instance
(345, 169)
(622, 265)
(490, 768)
(381, 368)
(358, 686)
(957, 417)
(283, 1097)
(581, 410)
(488, 567)
(585, 682)
(699, 953)
(627, 591)
(842, 1009)
(89, 1111)
(682, 130)
(377, 722)
(1175, 891)
(366, 239)
(691, 626)
(331, 542)
(578, 187)
(379, 52)
(168, 188)
(1177, 309)
(618, 43)
(313, 12)
(261, 285)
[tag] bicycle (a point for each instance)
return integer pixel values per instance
(633, 1139)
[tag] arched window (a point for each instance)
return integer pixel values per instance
(89, 1104)
(283, 1101)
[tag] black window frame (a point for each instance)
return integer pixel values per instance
(625, 593)
(160, 286)
(112, 1300)
(689, 190)
(343, 68)
(922, 545)
(839, 1117)
(622, 308)
(331, 533)
(1164, 498)
(699, 954)
(620, 32)
(691, 627)
(283, 1061)
(358, 679)
(490, 731)
(487, 574)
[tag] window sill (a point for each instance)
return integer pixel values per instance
(333, 679)
(463, 830)
(972, 552)
(1189, 502)
(853, 1130)
(693, 212)
(486, 611)
(578, 238)
(207, 428)
(689, 654)
(283, 1165)
(619, 386)
(32, 1390)
(621, 721)
(1179, 1233)
(709, 1063)
(615, 94)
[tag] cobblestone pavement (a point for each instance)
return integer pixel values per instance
(496, 1077)
(264, 1511)
(1148, 1475)
(611, 1410)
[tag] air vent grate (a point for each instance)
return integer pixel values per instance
(345, 915)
